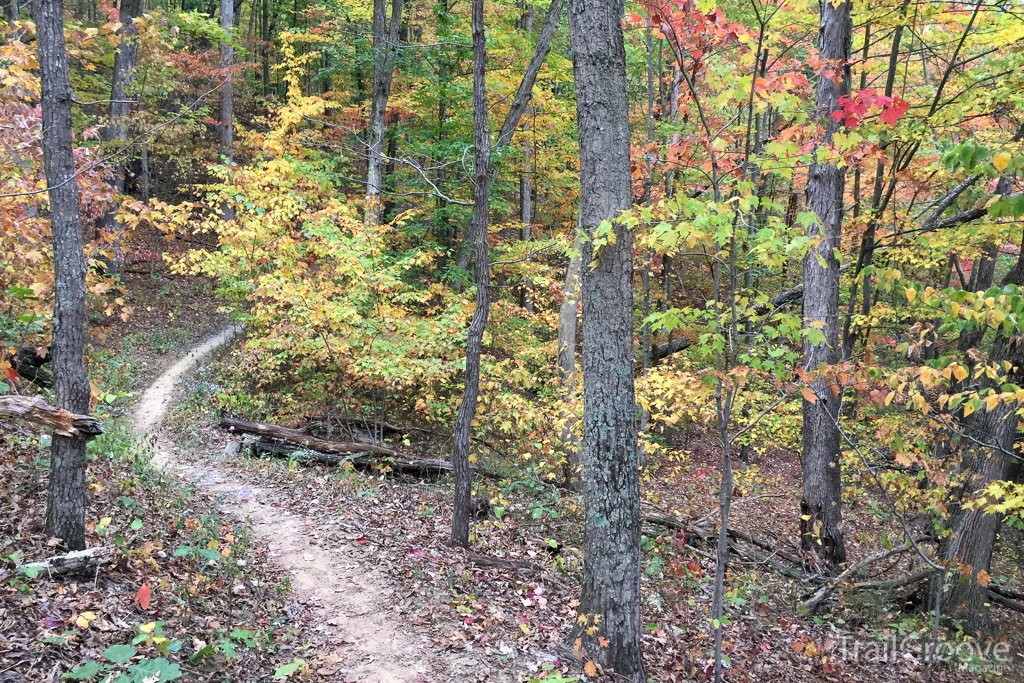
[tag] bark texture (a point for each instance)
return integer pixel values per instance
(227, 90)
(482, 274)
(116, 131)
(821, 525)
(610, 592)
(65, 501)
(37, 411)
(568, 323)
(385, 52)
(988, 457)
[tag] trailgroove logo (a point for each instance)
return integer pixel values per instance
(969, 655)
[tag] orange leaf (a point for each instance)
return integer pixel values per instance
(809, 395)
(143, 596)
(590, 669)
(984, 578)
(602, 641)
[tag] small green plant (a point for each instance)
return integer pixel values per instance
(116, 668)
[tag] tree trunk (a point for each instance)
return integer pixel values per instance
(568, 320)
(385, 51)
(265, 47)
(65, 503)
(518, 108)
(125, 62)
(821, 527)
(981, 280)
(610, 592)
(116, 130)
(482, 272)
(227, 89)
(987, 458)
(11, 11)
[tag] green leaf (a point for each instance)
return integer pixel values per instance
(182, 551)
(286, 670)
(119, 654)
(83, 672)
(136, 524)
(159, 668)
(31, 572)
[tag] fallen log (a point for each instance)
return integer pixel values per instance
(395, 462)
(77, 562)
(299, 437)
(37, 411)
(488, 561)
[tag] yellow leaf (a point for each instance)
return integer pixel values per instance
(88, 616)
(1001, 161)
(148, 628)
(81, 622)
(911, 293)
(960, 372)
(590, 669)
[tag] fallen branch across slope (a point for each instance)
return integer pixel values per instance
(77, 562)
(297, 444)
(37, 411)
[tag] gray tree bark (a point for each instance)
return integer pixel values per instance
(610, 592)
(482, 274)
(11, 11)
(227, 90)
(116, 130)
(988, 457)
(568, 322)
(821, 525)
(385, 52)
(65, 502)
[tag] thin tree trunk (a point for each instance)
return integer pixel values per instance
(610, 592)
(518, 108)
(11, 11)
(385, 52)
(265, 47)
(821, 527)
(482, 272)
(982, 275)
(227, 89)
(116, 131)
(65, 502)
(568, 321)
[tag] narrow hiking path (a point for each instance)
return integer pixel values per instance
(350, 602)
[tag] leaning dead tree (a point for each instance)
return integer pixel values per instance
(38, 412)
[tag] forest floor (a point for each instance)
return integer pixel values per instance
(260, 568)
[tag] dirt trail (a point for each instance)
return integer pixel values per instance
(350, 602)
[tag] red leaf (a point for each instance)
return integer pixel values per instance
(143, 596)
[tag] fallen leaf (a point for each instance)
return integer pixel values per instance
(143, 596)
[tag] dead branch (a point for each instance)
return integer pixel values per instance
(77, 562)
(488, 561)
(367, 459)
(812, 603)
(37, 411)
(1003, 601)
(299, 437)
